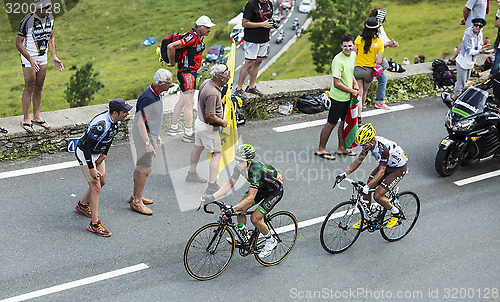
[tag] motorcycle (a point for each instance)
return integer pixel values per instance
(472, 123)
(295, 24)
(280, 37)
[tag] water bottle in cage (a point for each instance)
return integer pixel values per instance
(243, 231)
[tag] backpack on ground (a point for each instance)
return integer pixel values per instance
(165, 42)
(442, 74)
(311, 104)
(395, 67)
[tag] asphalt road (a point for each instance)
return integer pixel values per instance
(453, 250)
(274, 48)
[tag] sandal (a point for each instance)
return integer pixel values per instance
(42, 123)
(325, 155)
(27, 127)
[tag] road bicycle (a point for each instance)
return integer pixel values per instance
(337, 233)
(211, 248)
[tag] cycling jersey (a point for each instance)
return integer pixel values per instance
(191, 53)
(262, 177)
(387, 153)
(98, 137)
(36, 32)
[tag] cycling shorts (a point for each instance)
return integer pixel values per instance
(187, 81)
(391, 176)
(266, 200)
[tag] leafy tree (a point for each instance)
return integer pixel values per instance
(332, 20)
(82, 86)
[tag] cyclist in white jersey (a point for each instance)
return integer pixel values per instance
(391, 169)
(35, 35)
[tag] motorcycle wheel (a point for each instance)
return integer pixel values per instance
(446, 160)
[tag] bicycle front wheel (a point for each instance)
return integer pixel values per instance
(284, 227)
(337, 233)
(209, 251)
(409, 203)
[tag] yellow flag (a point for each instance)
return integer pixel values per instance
(229, 134)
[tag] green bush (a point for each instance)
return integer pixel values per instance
(82, 86)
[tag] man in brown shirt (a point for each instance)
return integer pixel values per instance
(207, 126)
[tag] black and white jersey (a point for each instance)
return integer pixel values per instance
(36, 32)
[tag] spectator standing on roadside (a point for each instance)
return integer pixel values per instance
(91, 151)
(472, 45)
(191, 46)
(343, 86)
(257, 23)
(207, 126)
(405, 61)
(382, 79)
(146, 133)
(35, 35)
(471, 9)
(370, 50)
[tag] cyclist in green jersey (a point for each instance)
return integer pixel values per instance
(266, 189)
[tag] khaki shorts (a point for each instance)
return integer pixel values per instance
(206, 136)
(363, 73)
(144, 158)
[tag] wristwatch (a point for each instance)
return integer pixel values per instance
(148, 143)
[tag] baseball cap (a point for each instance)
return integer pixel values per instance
(205, 21)
(119, 105)
(39, 4)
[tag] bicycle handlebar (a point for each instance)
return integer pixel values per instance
(218, 203)
(357, 184)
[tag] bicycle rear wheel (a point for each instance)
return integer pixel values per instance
(208, 253)
(284, 227)
(409, 203)
(337, 233)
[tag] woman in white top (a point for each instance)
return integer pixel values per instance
(472, 45)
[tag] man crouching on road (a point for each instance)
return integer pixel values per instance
(91, 151)
(207, 126)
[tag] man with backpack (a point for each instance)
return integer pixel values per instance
(190, 54)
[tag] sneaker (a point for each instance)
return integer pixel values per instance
(83, 208)
(268, 248)
(172, 131)
(393, 220)
(188, 138)
(193, 177)
(212, 188)
(358, 224)
(253, 91)
(98, 229)
(240, 93)
(382, 106)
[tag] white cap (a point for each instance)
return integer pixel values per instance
(42, 3)
(205, 21)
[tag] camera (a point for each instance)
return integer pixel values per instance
(274, 23)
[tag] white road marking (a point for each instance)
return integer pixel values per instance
(323, 121)
(480, 177)
(59, 166)
(310, 222)
(77, 283)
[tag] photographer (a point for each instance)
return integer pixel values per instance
(257, 21)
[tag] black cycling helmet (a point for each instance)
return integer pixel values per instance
(245, 151)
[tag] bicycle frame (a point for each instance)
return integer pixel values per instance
(374, 223)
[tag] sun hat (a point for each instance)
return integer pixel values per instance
(204, 21)
(372, 23)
